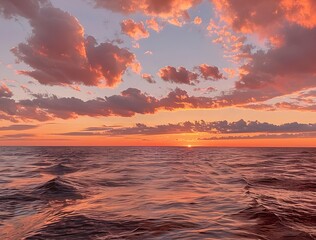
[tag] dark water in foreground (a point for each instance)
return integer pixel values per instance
(157, 193)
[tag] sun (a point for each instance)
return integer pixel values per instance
(189, 146)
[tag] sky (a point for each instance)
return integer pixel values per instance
(237, 73)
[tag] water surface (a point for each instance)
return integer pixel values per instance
(157, 193)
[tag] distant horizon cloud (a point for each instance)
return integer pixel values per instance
(223, 128)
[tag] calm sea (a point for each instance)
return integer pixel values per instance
(157, 193)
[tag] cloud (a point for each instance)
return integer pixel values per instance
(5, 91)
(60, 54)
(210, 72)
(28, 9)
(180, 75)
(142, 129)
(205, 90)
(259, 106)
(133, 29)
(82, 134)
(180, 99)
(223, 128)
(148, 53)
(154, 25)
(264, 136)
(234, 44)
(102, 128)
(288, 25)
(165, 9)
(265, 16)
(26, 89)
(219, 127)
(280, 70)
(130, 102)
(184, 76)
(19, 136)
(149, 78)
(126, 104)
(294, 106)
(301, 101)
(14, 111)
(18, 127)
(285, 69)
(197, 21)
(110, 60)
(242, 126)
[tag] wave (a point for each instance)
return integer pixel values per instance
(83, 227)
(57, 189)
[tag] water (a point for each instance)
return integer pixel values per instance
(157, 193)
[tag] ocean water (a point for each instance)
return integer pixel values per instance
(157, 193)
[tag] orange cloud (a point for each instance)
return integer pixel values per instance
(154, 25)
(134, 30)
(165, 9)
(197, 21)
(264, 16)
(301, 12)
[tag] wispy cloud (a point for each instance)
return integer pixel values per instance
(18, 127)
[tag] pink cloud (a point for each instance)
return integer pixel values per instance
(149, 78)
(59, 54)
(28, 9)
(130, 102)
(210, 72)
(110, 60)
(287, 68)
